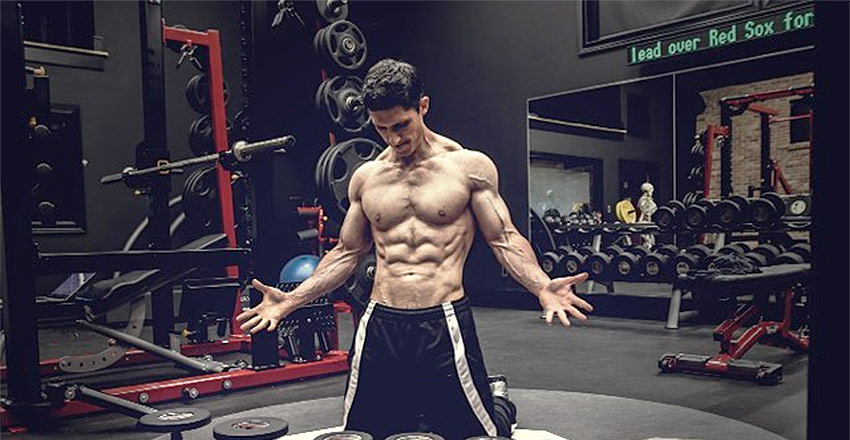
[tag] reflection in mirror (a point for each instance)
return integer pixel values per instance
(623, 133)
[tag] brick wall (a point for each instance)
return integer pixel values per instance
(746, 137)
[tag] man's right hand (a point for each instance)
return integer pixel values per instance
(269, 312)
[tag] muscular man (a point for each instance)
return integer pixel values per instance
(415, 360)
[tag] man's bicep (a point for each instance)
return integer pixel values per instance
(355, 233)
(492, 214)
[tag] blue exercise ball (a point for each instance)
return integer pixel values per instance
(298, 269)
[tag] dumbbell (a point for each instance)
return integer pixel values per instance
(550, 262)
(628, 262)
(767, 210)
(655, 265)
(573, 262)
(698, 216)
(599, 264)
(730, 211)
(764, 254)
(665, 217)
(691, 259)
(552, 218)
(734, 248)
(804, 249)
(797, 254)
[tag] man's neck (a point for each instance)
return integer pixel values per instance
(426, 149)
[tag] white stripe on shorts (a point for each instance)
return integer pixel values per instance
(359, 342)
(463, 371)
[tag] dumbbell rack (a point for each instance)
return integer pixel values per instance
(598, 230)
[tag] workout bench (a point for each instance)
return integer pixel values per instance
(790, 279)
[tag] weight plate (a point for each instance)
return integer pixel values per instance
(341, 165)
(198, 93)
(200, 197)
(200, 136)
(254, 428)
(319, 99)
(241, 125)
(487, 437)
(333, 10)
(173, 420)
(342, 43)
(201, 140)
(340, 99)
(415, 436)
(345, 435)
(317, 175)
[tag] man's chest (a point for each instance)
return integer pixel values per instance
(435, 195)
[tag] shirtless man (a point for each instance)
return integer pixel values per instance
(415, 360)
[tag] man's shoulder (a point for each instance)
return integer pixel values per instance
(473, 159)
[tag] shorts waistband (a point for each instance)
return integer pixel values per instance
(427, 313)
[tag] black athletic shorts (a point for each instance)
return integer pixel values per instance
(420, 370)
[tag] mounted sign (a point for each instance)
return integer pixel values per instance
(724, 35)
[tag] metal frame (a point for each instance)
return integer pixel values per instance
(737, 105)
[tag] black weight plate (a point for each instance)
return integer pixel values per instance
(200, 197)
(173, 420)
(201, 140)
(317, 41)
(325, 194)
(319, 99)
(341, 165)
(317, 175)
(201, 136)
(254, 428)
(198, 93)
(241, 125)
(415, 436)
(333, 10)
(344, 44)
(342, 102)
(487, 437)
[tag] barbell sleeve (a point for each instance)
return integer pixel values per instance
(243, 150)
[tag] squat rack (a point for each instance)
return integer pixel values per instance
(27, 403)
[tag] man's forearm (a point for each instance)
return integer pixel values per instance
(515, 254)
(331, 272)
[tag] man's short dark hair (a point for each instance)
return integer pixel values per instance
(391, 83)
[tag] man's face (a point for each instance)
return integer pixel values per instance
(402, 129)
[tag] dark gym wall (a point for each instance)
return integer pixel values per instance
(481, 61)
(111, 112)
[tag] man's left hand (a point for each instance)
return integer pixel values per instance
(559, 298)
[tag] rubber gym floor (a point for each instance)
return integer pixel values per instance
(607, 356)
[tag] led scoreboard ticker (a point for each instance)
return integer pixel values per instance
(724, 35)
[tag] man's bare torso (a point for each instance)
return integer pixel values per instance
(422, 226)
